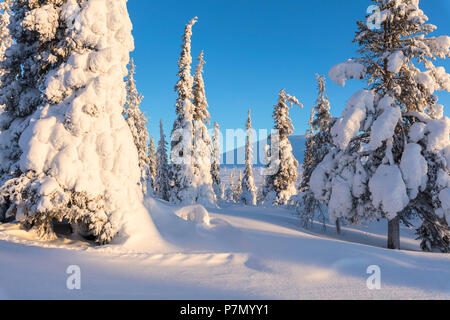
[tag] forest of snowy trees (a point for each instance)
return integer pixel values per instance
(75, 146)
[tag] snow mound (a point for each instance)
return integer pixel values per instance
(140, 233)
(196, 213)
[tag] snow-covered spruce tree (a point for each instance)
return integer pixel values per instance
(260, 191)
(215, 163)
(24, 63)
(162, 183)
(231, 187)
(237, 190)
(38, 45)
(38, 34)
(281, 171)
(202, 143)
(392, 151)
(138, 125)
(182, 169)
(248, 194)
(66, 69)
(152, 162)
(318, 144)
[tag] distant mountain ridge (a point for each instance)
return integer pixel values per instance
(236, 157)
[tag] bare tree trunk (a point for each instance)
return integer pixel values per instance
(394, 234)
(338, 226)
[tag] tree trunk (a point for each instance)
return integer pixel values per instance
(394, 234)
(338, 226)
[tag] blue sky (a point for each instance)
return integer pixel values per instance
(253, 49)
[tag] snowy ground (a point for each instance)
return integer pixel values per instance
(256, 253)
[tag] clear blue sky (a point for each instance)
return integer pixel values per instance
(253, 49)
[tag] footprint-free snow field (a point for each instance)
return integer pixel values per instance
(234, 252)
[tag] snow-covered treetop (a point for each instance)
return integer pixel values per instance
(320, 114)
(200, 103)
(152, 156)
(216, 137)
(162, 160)
(134, 98)
(216, 149)
(248, 195)
(248, 146)
(185, 83)
(161, 132)
(135, 117)
(248, 124)
(283, 122)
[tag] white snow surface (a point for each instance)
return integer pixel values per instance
(245, 253)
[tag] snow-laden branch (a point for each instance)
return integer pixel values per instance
(350, 69)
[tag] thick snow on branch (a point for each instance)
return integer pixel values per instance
(350, 69)
(319, 178)
(438, 134)
(388, 190)
(348, 126)
(417, 132)
(433, 80)
(439, 46)
(341, 199)
(395, 61)
(383, 128)
(414, 169)
(43, 20)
